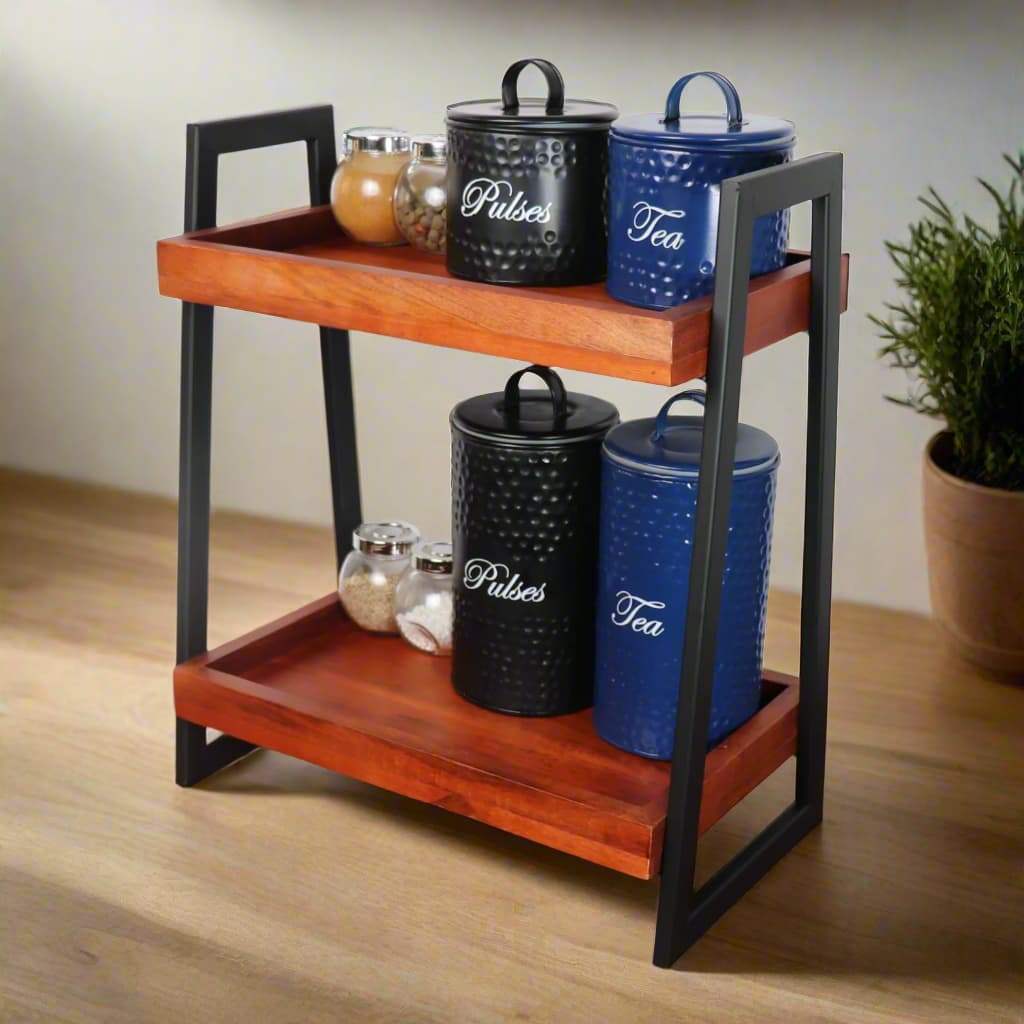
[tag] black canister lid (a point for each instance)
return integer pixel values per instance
(550, 114)
(517, 417)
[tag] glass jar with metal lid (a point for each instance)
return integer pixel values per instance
(363, 187)
(423, 601)
(421, 194)
(381, 553)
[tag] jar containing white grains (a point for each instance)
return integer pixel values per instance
(423, 602)
(421, 195)
(381, 553)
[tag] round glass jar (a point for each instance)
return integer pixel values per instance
(421, 195)
(423, 601)
(363, 186)
(381, 553)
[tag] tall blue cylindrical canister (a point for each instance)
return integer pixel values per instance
(665, 174)
(648, 509)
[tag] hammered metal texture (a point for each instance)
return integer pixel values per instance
(646, 547)
(657, 277)
(567, 170)
(534, 510)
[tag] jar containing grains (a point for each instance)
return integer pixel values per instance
(363, 187)
(421, 194)
(381, 553)
(423, 601)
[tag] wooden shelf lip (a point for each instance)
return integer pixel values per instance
(314, 686)
(297, 264)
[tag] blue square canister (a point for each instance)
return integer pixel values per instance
(664, 180)
(648, 508)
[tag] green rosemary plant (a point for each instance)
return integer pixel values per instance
(959, 331)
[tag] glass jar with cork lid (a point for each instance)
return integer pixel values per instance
(363, 187)
(381, 553)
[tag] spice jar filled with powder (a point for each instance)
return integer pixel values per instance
(423, 602)
(381, 553)
(363, 187)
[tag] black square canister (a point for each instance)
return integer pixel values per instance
(526, 485)
(527, 185)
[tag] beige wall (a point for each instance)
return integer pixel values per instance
(95, 98)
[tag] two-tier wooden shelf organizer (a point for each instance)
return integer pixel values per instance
(314, 686)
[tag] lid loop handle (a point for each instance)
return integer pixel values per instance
(559, 400)
(733, 107)
(556, 86)
(661, 420)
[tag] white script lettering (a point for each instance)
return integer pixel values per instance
(626, 613)
(502, 202)
(500, 581)
(646, 219)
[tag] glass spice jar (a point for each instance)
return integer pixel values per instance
(363, 186)
(381, 553)
(421, 194)
(423, 601)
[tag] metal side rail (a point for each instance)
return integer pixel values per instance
(684, 914)
(195, 757)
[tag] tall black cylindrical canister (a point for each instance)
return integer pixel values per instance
(527, 185)
(526, 484)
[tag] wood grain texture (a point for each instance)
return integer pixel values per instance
(298, 265)
(314, 686)
(279, 891)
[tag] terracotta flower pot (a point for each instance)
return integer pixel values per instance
(975, 541)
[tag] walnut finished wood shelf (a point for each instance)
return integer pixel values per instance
(315, 686)
(298, 265)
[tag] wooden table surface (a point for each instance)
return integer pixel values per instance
(279, 892)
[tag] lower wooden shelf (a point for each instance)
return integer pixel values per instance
(314, 686)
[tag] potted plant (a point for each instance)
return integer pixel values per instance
(959, 332)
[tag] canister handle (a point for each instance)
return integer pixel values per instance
(733, 107)
(661, 420)
(556, 86)
(559, 401)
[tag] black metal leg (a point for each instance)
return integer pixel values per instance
(822, 403)
(194, 477)
(725, 364)
(195, 757)
(684, 915)
(341, 436)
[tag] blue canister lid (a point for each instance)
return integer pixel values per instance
(672, 444)
(729, 131)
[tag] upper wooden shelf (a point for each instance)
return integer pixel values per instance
(314, 686)
(299, 265)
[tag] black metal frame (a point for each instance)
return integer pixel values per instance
(683, 914)
(196, 758)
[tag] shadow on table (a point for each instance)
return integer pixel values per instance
(863, 895)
